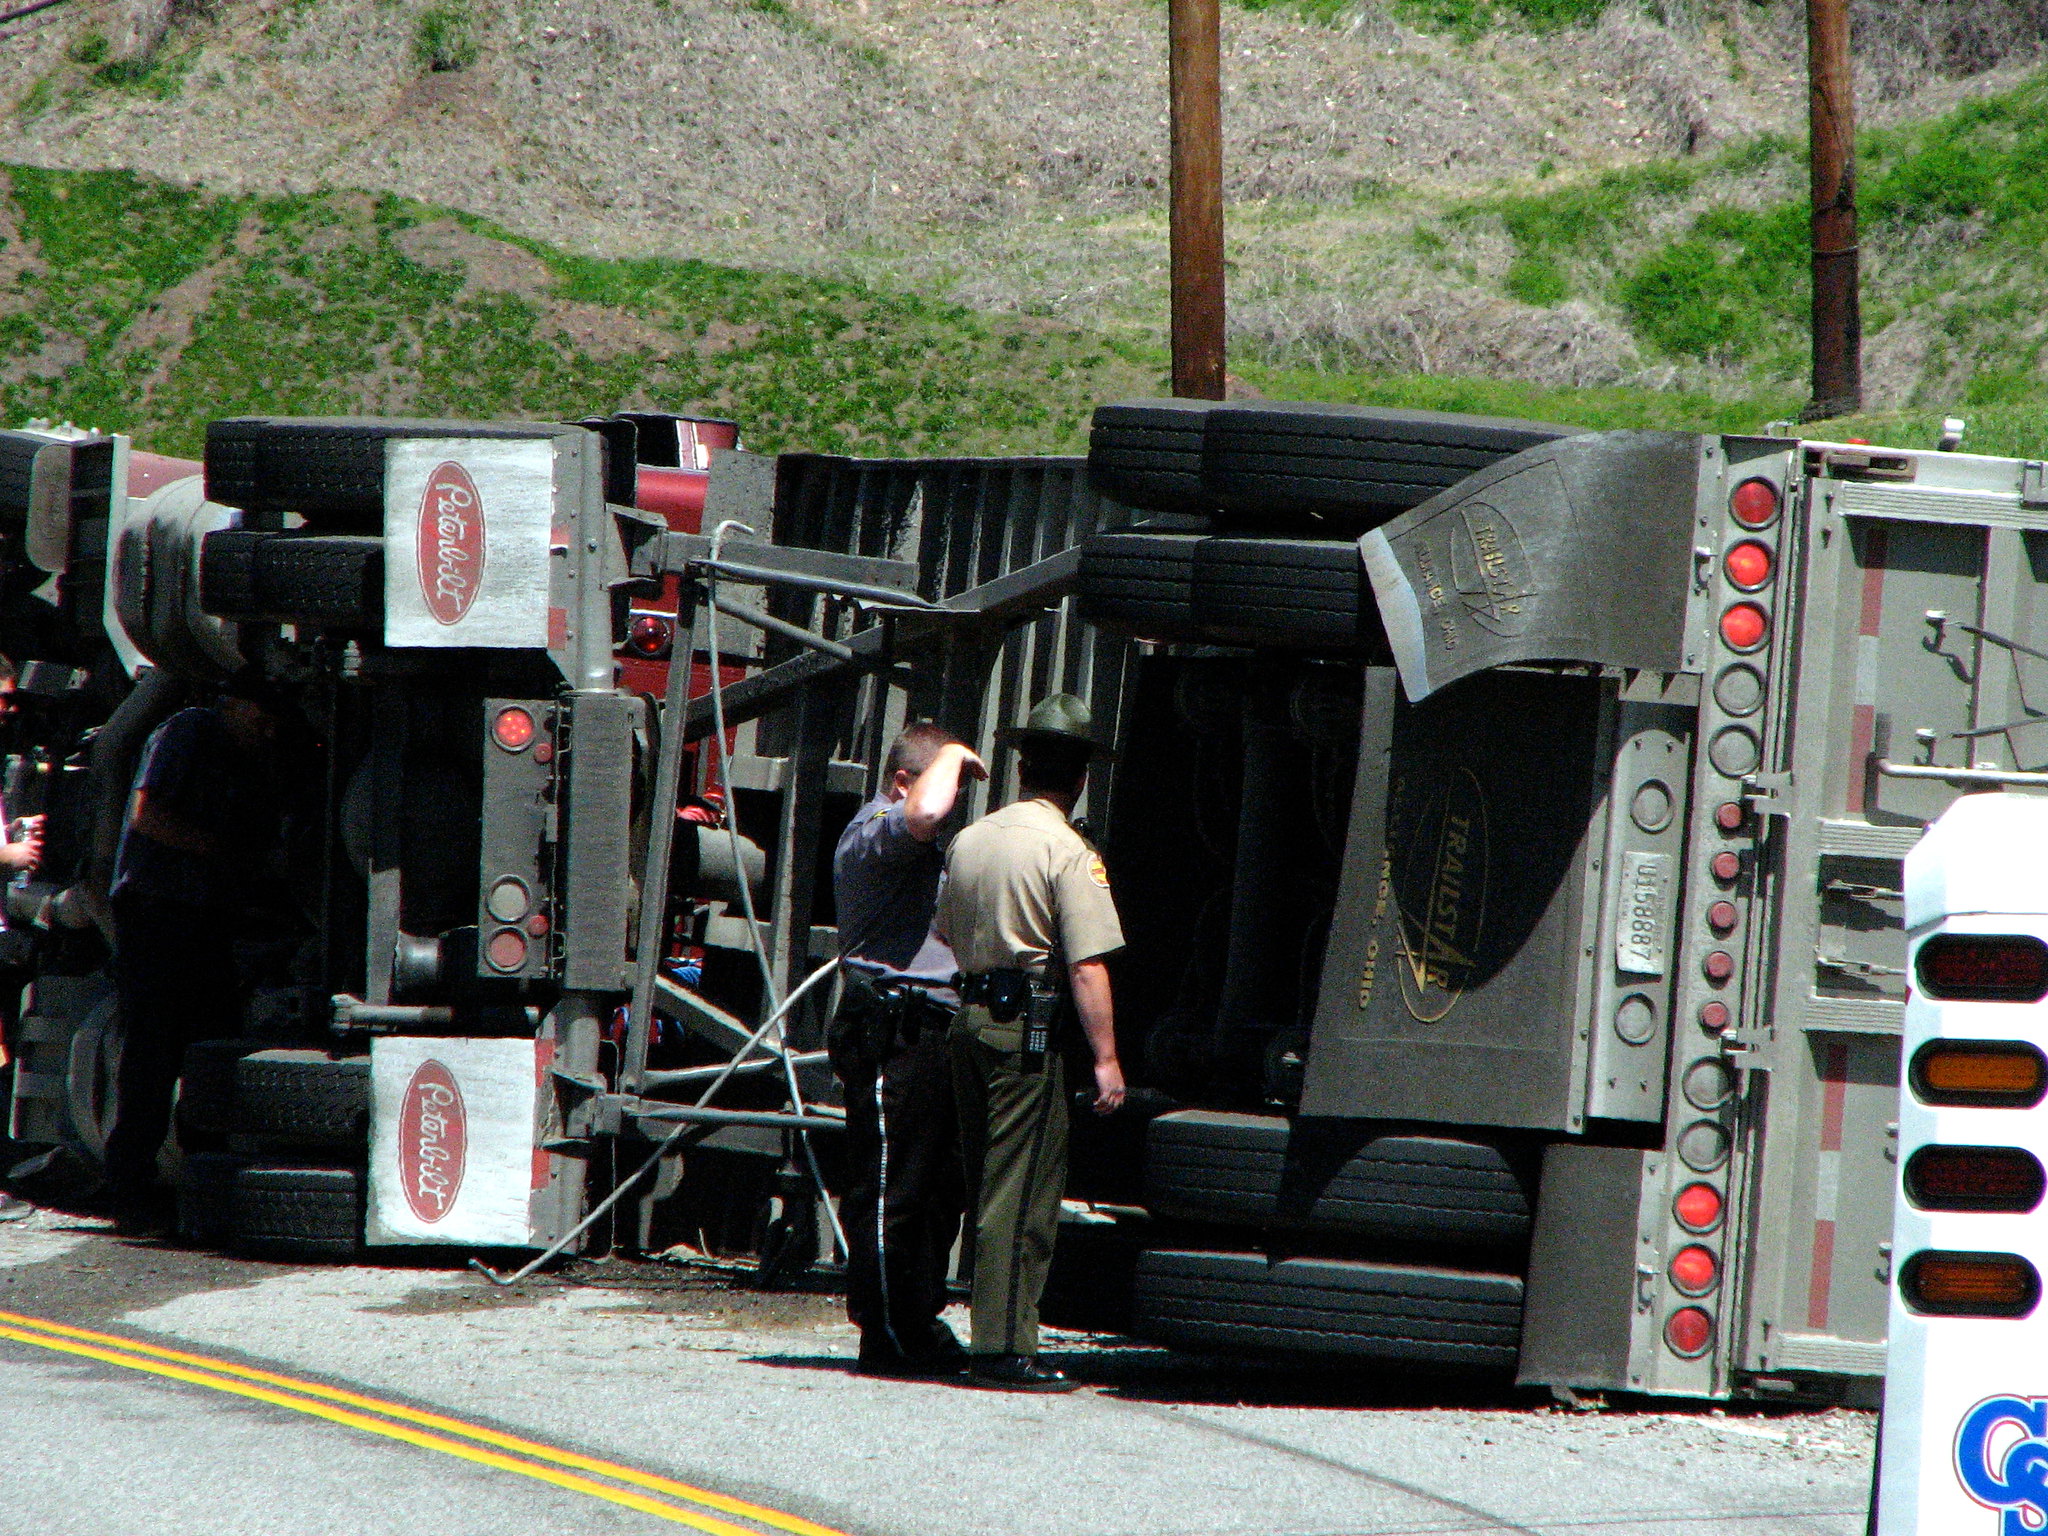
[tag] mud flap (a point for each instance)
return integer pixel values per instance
(1449, 983)
(1579, 550)
(454, 1131)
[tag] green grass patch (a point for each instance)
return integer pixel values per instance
(444, 38)
(1468, 20)
(312, 306)
(1596, 410)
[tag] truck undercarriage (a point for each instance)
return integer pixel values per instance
(1506, 826)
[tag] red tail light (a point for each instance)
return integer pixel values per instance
(1748, 565)
(1698, 1207)
(2000, 1179)
(513, 729)
(507, 949)
(1694, 1270)
(1744, 627)
(1689, 1332)
(1754, 503)
(1983, 968)
(1950, 1284)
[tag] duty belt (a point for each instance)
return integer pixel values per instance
(1009, 995)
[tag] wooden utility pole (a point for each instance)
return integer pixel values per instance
(1195, 84)
(1837, 309)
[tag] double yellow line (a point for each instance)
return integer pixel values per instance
(647, 1492)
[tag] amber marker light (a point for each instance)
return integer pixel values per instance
(1952, 1284)
(1984, 1074)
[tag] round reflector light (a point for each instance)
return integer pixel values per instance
(1698, 1207)
(537, 925)
(1689, 1331)
(1694, 1270)
(509, 899)
(1721, 916)
(1985, 1074)
(649, 636)
(1714, 1016)
(507, 949)
(1754, 503)
(1983, 968)
(1729, 816)
(1744, 627)
(1952, 1284)
(1727, 865)
(2008, 1180)
(1748, 565)
(513, 729)
(1719, 965)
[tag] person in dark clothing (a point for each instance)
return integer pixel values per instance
(903, 1198)
(199, 822)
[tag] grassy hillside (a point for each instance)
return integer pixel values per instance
(132, 305)
(1666, 293)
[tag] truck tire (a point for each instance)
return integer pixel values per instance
(332, 581)
(1290, 592)
(303, 1099)
(1148, 454)
(206, 1197)
(1259, 1170)
(328, 469)
(1328, 1307)
(1140, 584)
(284, 1212)
(206, 1086)
(1347, 468)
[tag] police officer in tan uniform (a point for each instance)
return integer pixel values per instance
(1027, 910)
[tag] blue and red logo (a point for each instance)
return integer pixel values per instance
(2001, 1459)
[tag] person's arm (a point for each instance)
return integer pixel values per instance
(161, 825)
(1090, 982)
(931, 797)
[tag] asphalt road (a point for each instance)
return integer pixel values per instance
(683, 1380)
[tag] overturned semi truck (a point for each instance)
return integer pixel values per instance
(1507, 823)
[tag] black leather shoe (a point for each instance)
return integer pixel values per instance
(1016, 1373)
(946, 1346)
(924, 1366)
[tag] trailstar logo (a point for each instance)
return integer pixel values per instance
(433, 1140)
(451, 542)
(1440, 886)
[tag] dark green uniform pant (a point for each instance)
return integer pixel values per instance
(1013, 1141)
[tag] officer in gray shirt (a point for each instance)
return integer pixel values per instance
(902, 1201)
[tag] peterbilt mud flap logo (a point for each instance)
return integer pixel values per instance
(1490, 570)
(2001, 1459)
(451, 542)
(1440, 880)
(433, 1141)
